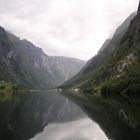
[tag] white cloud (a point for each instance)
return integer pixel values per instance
(73, 28)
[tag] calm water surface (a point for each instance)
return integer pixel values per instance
(45, 115)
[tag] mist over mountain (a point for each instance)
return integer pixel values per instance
(24, 63)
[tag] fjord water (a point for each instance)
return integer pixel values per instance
(45, 115)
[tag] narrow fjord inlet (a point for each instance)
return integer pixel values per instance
(61, 84)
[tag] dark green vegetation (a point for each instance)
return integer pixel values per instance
(116, 68)
(91, 69)
(113, 76)
(22, 62)
(10, 86)
(117, 72)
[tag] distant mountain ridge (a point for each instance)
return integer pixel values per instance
(23, 62)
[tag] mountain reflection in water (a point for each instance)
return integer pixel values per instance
(44, 115)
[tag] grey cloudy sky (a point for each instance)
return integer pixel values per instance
(73, 28)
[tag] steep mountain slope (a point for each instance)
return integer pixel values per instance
(122, 71)
(6, 60)
(115, 83)
(102, 56)
(23, 62)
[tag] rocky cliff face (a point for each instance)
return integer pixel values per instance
(6, 56)
(23, 62)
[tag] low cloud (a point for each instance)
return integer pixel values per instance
(75, 28)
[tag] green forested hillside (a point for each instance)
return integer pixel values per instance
(121, 73)
(91, 69)
(116, 69)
